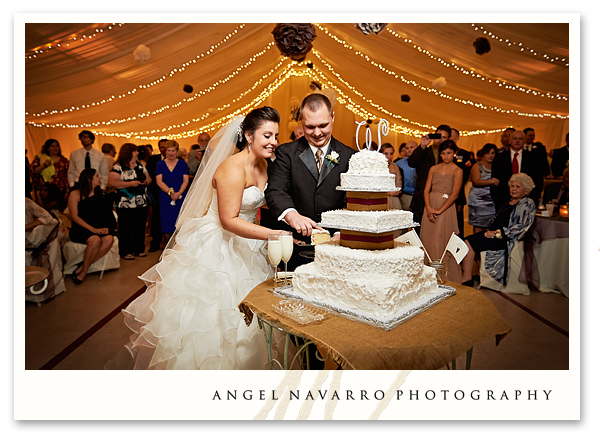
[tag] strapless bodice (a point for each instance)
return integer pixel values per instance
(252, 199)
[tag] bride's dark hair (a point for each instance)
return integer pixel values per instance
(254, 120)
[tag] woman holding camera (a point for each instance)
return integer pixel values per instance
(130, 178)
(172, 179)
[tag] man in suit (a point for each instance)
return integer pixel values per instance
(505, 139)
(300, 188)
(462, 159)
(538, 149)
(560, 158)
(151, 163)
(513, 161)
(424, 157)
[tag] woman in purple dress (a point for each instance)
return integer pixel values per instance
(172, 179)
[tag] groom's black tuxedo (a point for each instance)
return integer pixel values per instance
(294, 181)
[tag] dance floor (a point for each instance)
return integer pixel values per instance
(82, 328)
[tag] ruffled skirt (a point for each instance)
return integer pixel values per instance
(188, 318)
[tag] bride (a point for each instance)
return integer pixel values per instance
(188, 316)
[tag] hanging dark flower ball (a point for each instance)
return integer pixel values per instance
(309, 65)
(482, 45)
(405, 98)
(370, 28)
(188, 88)
(369, 121)
(294, 39)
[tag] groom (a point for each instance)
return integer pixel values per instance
(305, 173)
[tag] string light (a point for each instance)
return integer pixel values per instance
(480, 76)
(365, 114)
(431, 90)
(156, 81)
(196, 95)
(521, 47)
(66, 41)
(156, 134)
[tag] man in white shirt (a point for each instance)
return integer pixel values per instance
(85, 157)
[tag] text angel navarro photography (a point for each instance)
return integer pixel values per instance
(378, 395)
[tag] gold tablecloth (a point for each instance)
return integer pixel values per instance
(429, 340)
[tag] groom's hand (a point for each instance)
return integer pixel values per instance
(302, 224)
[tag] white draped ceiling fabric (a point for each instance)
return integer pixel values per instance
(85, 76)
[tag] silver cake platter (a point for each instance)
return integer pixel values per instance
(441, 293)
(361, 189)
(368, 230)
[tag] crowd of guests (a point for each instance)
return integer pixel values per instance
(96, 195)
(507, 185)
(131, 192)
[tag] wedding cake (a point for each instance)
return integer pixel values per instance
(367, 275)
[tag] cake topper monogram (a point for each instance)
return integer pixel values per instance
(382, 127)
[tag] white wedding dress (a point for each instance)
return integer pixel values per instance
(188, 318)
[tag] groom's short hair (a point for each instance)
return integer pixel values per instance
(313, 102)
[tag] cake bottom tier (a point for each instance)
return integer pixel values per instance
(379, 298)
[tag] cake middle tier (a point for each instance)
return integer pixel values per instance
(372, 221)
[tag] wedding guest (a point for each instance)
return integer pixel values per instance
(92, 221)
(87, 157)
(393, 197)
(130, 178)
(538, 150)
(462, 159)
(505, 139)
(172, 179)
(422, 159)
(511, 222)
(50, 166)
(144, 153)
(560, 159)
(109, 151)
(401, 152)
(182, 154)
(439, 219)
(154, 190)
(50, 198)
(514, 161)
(28, 183)
(196, 154)
(409, 174)
(42, 249)
(558, 191)
(481, 206)
(192, 160)
(297, 133)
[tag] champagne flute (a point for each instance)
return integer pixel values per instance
(274, 250)
(287, 248)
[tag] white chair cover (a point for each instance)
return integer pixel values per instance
(513, 285)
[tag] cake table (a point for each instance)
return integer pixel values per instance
(430, 340)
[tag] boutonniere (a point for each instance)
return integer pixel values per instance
(333, 158)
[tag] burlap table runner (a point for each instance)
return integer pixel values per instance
(429, 340)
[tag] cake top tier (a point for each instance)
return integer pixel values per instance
(367, 162)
